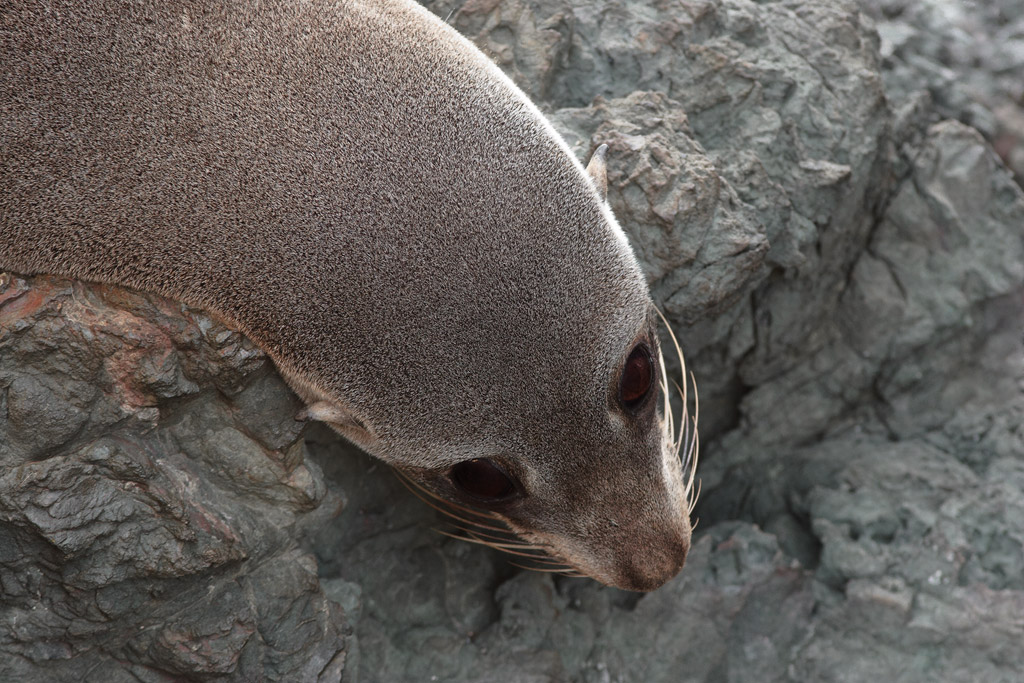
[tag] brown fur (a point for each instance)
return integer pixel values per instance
(360, 191)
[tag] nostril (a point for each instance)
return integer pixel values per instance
(675, 555)
(683, 551)
(649, 570)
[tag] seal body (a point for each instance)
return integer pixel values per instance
(363, 193)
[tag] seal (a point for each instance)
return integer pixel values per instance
(363, 193)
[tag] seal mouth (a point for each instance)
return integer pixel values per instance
(490, 529)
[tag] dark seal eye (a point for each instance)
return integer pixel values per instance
(637, 377)
(483, 480)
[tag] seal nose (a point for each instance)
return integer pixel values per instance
(653, 567)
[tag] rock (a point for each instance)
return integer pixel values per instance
(149, 509)
(967, 58)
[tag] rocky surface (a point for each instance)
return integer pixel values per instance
(815, 191)
(153, 482)
(966, 57)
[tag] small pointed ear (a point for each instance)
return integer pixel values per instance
(332, 414)
(342, 421)
(598, 171)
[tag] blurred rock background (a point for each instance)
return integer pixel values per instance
(823, 197)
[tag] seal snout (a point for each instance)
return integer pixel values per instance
(653, 566)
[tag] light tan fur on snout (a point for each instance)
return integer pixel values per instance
(363, 193)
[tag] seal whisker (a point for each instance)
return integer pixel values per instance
(417, 489)
(490, 516)
(693, 499)
(428, 497)
(514, 542)
(693, 454)
(517, 546)
(684, 424)
(503, 547)
(688, 433)
(670, 431)
(670, 428)
(543, 560)
(511, 542)
(568, 571)
(682, 365)
(507, 542)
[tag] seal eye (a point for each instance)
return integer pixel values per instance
(637, 377)
(483, 480)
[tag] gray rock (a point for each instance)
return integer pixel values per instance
(967, 56)
(149, 514)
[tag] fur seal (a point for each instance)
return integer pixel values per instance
(363, 193)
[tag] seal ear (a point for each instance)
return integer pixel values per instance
(598, 171)
(341, 420)
(331, 413)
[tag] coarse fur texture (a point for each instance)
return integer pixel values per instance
(363, 193)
